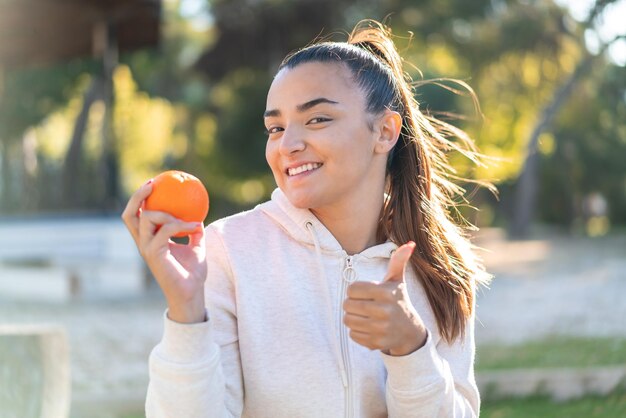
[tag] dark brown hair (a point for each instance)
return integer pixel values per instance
(421, 186)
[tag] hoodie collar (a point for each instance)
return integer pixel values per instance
(294, 221)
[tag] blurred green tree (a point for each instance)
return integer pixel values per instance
(516, 54)
(211, 73)
(528, 180)
(27, 97)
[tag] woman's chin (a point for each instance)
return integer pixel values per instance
(299, 200)
(300, 203)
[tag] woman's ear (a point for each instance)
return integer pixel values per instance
(389, 127)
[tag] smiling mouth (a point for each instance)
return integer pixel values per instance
(303, 169)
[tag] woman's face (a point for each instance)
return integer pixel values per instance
(320, 147)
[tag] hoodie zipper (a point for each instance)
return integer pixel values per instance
(348, 276)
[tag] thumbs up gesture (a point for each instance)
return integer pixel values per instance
(380, 316)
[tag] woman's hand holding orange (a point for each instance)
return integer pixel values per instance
(180, 269)
(380, 316)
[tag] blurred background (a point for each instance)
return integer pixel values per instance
(98, 96)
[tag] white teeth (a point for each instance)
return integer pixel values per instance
(303, 168)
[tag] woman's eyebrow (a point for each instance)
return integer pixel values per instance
(271, 113)
(312, 103)
(301, 107)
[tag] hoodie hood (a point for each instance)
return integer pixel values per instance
(303, 226)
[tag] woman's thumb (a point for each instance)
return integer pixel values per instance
(398, 262)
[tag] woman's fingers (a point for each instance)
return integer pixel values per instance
(357, 323)
(156, 228)
(149, 222)
(130, 215)
(196, 239)
(175, 227)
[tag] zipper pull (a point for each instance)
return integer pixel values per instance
(349, 273)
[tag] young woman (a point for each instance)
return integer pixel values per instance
(306, 306)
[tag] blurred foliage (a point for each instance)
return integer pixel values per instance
(29, 95)
(195, 103)
(589, 155)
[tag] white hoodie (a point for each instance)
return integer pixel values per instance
(275, 345)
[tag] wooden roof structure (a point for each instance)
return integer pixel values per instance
(42, 32)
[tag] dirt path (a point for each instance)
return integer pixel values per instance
(555, 285)
(109, 347)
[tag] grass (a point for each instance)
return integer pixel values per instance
(552, 352)
(611, 406)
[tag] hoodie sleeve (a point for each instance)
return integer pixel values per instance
(195, 371)
(435, 381)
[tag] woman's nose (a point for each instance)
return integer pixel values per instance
(291, 141)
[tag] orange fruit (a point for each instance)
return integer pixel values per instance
(180, 194)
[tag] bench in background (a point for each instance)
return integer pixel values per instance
(57, 259)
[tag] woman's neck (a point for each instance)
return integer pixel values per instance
(354, 226)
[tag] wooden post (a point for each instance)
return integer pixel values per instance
(4, 159)
(71, 168)
(35, 378)
(109, 167)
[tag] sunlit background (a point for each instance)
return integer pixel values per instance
(96, 97)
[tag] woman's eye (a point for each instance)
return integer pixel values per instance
(319, 120)
(272, 130)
